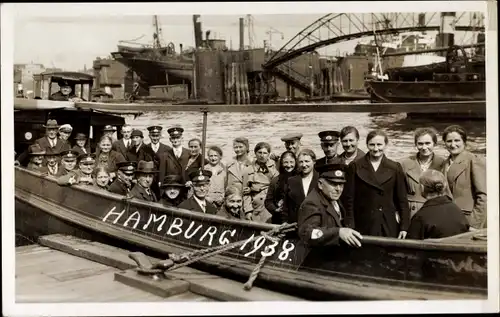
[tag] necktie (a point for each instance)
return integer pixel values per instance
(336, 207)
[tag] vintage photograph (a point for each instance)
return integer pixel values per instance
(200, 158)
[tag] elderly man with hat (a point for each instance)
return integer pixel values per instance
(145, 174)
(201, 183)
(65, 132)
(138, 152)
(292, 143)
(36, 158)
(322, 219)
(83, 175)
(124, 181)
(68, 162)
(329, 145)
(65, 92)
(175, 160)
(173, 191)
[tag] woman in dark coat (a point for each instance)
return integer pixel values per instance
(376, 192)
(439, 217)
(276, 192)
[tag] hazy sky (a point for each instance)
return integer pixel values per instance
(74, 41)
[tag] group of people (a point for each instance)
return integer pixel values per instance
(339, 197)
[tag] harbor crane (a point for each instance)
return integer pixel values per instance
(270, 31)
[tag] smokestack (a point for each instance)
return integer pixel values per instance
(197, 31)
(242, 34)
(180, 47)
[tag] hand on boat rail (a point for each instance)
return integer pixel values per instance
(175, 261)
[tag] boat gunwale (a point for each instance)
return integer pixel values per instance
(474, 247)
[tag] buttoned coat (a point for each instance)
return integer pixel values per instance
(143, 154)
(294, 196)
(171, 165)
(235, 174)
(412, 171)
(119, 187)
(317, 212)
(58, 148)
(467, 180)
(139, 192)
(376, 199)
(258, 184)
(216, 191)
(191, 204)
(438, 218)
(162, 148)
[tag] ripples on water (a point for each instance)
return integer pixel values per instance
(270, 127)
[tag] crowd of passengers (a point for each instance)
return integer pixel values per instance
(339, 197)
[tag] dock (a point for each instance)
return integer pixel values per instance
(65, 269)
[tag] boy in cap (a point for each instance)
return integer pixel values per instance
(322, 220)
(175, 160)
(329, 144)
(201, 182)
(173, 191)
(64, 132)
(36, 157)
(145, 174)
(123, 184)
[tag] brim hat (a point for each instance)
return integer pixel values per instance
(292, 137)
(155, 130)
(333, 173)
(137, 133)
(127, 167)
(36, 150)
(69, 155)
(200, 176)
(175, 132)
(145, 167)
(172, 181)
(66, 128)
(87, 159)
(80, 136)
(51, 124)
(109, 128)
(329, 136)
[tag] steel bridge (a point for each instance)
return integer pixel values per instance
(335, 28)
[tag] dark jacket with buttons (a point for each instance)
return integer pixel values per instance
(377, 199)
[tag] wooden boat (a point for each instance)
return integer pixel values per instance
(450, 268)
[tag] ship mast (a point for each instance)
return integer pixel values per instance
(157, 34)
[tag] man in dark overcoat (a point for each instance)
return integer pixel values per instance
(145, 175)
(123, 183)
(138, 152)
(174, 160)
(321, 217)
(200, 181)
(153, 150)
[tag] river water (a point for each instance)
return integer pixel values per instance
(270, 127)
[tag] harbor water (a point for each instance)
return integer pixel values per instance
(270, 127)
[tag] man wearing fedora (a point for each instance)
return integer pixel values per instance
(174, 161)
(200, 181)
(50, 143)
(123, 183)
(322, 220)
(36, 158)
(173, 191)
(145, 175)
(329, 144)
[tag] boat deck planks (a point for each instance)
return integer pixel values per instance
(48, 275)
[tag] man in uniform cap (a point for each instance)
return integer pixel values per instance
(65, 131)
(200, 180)
(137, 152)
(145, 174)
(322, 219)
(68, 161)
(123, 183)
(329, 144)
(175, 160)
(153, 150)
(36, 157)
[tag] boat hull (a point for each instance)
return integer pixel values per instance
(399, 269)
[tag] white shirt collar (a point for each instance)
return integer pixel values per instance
(306, 182)
(155, 147)
(200, 202)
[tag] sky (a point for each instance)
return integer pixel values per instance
(70, 42)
